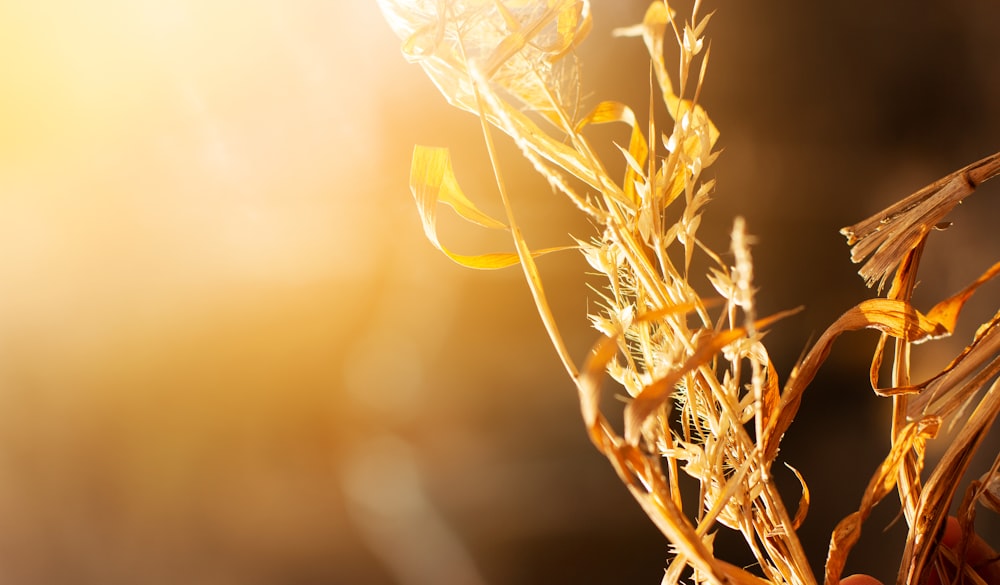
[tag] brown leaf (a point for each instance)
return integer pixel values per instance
(893, 317)
(589, 381)
(848, 530)
(940, 488)
(944, 393)
(886, 237)
(946, 312)
(803, 509)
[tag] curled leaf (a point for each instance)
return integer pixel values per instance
(848, 530)
(432, 181)
(803, 509)
(893, 317)
(945, 392)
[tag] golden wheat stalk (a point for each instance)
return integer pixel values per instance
(705, 399)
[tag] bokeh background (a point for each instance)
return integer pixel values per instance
(228, 354)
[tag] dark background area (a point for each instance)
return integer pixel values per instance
(228, 354)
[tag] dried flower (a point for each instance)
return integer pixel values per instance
(705, 399)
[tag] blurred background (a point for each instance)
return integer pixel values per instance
(228, 354)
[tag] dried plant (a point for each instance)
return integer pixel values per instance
(705, 399)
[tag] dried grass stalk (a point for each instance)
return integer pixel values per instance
(705, 399)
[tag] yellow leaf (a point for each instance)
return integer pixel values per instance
(612, 111)
(653, 29)
(432, 181)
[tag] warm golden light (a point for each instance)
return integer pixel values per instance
(229, 355)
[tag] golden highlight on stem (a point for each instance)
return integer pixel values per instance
(705, 399)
